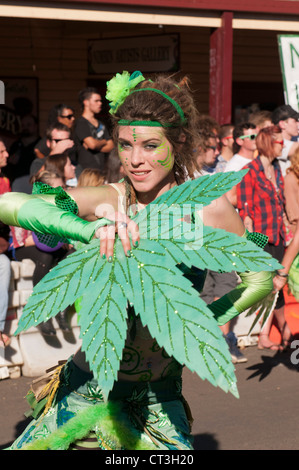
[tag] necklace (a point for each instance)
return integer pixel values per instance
(269, 172)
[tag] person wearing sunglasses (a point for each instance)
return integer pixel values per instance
(67, 117)
(60, 113)
(58, 140)
(244, 148)
(261, 204)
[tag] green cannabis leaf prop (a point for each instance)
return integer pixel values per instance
(152, 281)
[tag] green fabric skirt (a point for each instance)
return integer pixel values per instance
(70, 413)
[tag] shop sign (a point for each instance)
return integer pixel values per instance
(145, 53)
(289, 61)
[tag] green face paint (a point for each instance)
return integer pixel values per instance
(168, 161)
(124, 160)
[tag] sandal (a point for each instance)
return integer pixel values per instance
(272, 346)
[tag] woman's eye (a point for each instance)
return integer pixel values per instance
(151, 146)
(123, 145)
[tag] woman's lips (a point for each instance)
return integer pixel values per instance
(140, 175)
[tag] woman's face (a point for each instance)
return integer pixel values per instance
(278, 145)
(147, 159)
(69, 170)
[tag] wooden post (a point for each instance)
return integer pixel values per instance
(221, 61)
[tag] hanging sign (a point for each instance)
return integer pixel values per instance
(146, 53)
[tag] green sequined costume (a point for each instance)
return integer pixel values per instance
(141, 319)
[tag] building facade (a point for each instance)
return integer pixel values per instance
(50, 50)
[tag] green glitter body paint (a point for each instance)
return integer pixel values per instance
(168, 161)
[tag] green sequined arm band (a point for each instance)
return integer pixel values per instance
(253, 288)
(39, 214)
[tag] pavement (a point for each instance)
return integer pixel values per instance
(265, 417)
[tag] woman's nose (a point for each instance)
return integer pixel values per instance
(137, 156)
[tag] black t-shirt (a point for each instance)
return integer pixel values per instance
(88, 158)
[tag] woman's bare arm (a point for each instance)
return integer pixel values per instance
(89, 199)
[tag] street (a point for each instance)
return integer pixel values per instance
(265, 417)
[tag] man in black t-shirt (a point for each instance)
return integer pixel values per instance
(92, 139)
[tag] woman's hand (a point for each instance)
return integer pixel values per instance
(248, 223)
(122, 225)
(279, 282)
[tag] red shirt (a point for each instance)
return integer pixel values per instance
(264, 203)
(4, 185)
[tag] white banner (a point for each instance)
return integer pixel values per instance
(289, 61)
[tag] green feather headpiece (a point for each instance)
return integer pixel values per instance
(122, 85)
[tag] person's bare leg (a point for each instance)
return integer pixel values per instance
(284, 328)
(264, 340)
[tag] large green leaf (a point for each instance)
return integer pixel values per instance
(190, 196)
(63, 285)
(104, 326)
(218, 250)
(200, 191)
(152, 282)
(176, 317)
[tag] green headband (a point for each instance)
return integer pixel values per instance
(155, 123)
(121, 86)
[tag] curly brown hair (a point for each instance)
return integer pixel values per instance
(151, 106)
(294, 167)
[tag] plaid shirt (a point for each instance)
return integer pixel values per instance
(261, 201)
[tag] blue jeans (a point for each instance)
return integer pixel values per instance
(5, 271)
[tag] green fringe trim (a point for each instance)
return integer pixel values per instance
(106, 415)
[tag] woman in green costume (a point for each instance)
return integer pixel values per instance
(140, 316)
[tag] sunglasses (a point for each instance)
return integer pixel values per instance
(213, 147)
(278, 142)
(68, 116)
(228, 137)
(251, 136)
(58, 140)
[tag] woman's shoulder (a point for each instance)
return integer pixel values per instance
(291, 178)
(221, 214)
(119, 187)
